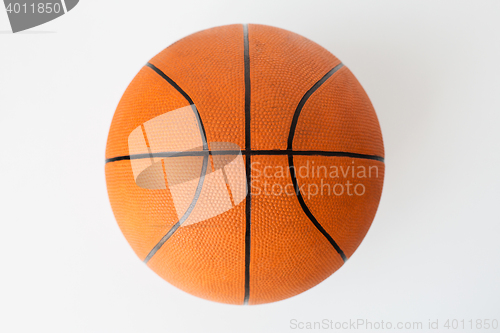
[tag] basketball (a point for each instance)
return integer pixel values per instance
(244, 164)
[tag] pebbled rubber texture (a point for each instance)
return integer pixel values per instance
(284, 66)
(288, 253)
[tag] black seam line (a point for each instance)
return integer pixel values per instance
(308, 212)
(186, 214)
(244, 152)
(292, 168)
(303, 101)
(186, 96)
(203, 169)
(169, 80)
(246, 51)
(248, 148)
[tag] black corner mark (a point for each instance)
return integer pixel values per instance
(70, 4)
(27, 14)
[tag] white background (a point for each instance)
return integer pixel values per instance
(432, 71)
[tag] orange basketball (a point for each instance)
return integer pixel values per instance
(244, 164)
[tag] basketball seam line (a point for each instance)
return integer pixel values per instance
(309, 214)
(303, 101)
(185, 216)
(248, 147)
(189, 210)
(291, 135)
(244, 152)
(248, 152)
(186, 96)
